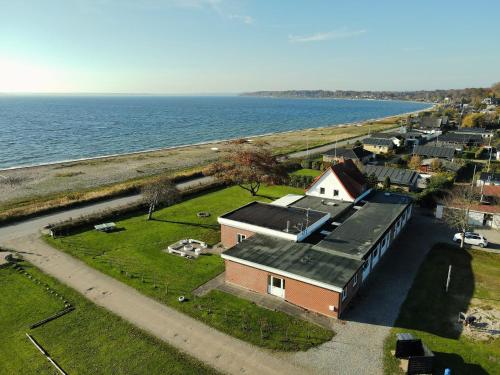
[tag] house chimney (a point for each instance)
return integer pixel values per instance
(287, 226)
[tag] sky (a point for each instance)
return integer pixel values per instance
(233, 46)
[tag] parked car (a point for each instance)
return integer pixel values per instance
(471, 238)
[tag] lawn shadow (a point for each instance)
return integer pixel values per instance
(454, 362)
(207, 226)
(428, 306)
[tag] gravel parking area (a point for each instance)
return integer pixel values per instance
(357, 347)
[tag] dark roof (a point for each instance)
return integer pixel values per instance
(274, 217)
(434, 151)
(377, 141)
(300, 259)
(387, 135)
(413, 134)
(399, 176)
(333, 207)
(460, 138)
(350, 177)
(484, 176)
(359, 233)
(430, 122)
(355, 153)
(473, 131)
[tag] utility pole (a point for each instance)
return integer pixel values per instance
(489, 159)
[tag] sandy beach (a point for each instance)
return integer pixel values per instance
(20, 185)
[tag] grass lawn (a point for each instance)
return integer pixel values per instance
(430, 314)
(307, 172)
(134, 255)
(88, 340)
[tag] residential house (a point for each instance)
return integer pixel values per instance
(397, 138)
(431, 124)
(413, 138)
(433, 151)
(378, 145)
(459, 140)
(480, 214)
(485, 133)
(311, 251)
(342, 181)
(357, 154)
(403, 178)
(486, 178)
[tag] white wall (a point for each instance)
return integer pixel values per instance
(329, 182)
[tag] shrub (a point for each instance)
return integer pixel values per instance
(306, 164)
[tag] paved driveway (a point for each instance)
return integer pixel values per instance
(358, 346)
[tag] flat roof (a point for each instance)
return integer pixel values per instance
(357, 235)
(333, 207)
(275, 217)
(299, 259)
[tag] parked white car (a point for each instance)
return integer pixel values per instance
(471, 238)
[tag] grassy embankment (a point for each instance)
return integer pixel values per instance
(134, 255)
(430, 313)
(306, 172)
(88, 340)
(281, 143)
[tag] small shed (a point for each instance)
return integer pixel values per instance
(416, 358)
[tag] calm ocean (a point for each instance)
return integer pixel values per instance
(42, 129)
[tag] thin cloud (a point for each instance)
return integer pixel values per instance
(412, 49)
(323, 36)
(247, 20)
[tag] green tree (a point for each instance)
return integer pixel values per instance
(387, 183)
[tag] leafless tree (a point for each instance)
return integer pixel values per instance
(457, 205)
(160, 191)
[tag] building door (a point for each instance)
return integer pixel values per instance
(276, 286)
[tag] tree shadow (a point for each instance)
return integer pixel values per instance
(207, 226)
(456, 364)
(428, 306)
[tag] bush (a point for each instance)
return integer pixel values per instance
(306, 164)
(316, 164)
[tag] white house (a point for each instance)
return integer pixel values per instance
(342, 181)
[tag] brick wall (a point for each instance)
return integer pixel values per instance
(297, 292)
(228, 235)
(352, 291)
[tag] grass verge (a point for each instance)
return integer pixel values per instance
(133, 254)
(430, 313)
(306, 172)
(88, 340)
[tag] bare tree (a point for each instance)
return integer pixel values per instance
(160, 191)
(457, 206)
(248, 166)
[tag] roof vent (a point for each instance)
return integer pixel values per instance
(330, 203)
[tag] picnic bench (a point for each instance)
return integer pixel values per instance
(106, 227)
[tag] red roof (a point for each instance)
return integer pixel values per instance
(349, 176)
(491, 190)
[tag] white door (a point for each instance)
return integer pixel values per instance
(276, 286)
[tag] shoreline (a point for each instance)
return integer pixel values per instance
(212, 142)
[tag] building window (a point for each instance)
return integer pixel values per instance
(375, 253)
(322, 190)
(335, 193)
(344, 294)
(240, 237)
(366, 265)
(355, 280)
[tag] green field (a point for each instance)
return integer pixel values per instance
(88, 340)
(430, 313)
(134, 255)
(307, 172)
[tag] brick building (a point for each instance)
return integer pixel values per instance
(311, 251)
